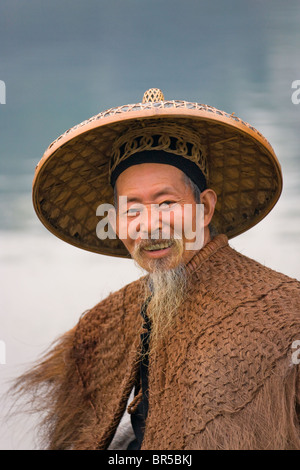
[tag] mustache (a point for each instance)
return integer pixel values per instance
(158, 242)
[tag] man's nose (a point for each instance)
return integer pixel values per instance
(150, 223)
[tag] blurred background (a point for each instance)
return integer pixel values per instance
(66, 60)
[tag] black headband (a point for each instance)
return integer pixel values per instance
(159, 156)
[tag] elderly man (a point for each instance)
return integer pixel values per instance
(201, 350)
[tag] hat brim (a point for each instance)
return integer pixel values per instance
(71, 180)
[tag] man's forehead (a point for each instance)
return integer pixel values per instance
(150, 176)
(132, 196)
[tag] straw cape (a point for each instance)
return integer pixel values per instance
(73, 177)
(227, 377)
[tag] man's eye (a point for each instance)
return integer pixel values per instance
(133, 211)
(166, 204)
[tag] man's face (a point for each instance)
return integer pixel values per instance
(149, 185)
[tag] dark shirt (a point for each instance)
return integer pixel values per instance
(138, 418)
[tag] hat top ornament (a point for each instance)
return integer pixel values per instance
(153, 95)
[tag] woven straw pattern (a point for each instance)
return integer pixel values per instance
(149, 105)
(137, 140)
(235, 331)
(154, 95)
(72, 179)
(222, 380)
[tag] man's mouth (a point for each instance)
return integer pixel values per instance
(166, 252)
(158, 246)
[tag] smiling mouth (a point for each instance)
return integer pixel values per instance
(158, 246)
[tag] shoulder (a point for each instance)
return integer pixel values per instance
(247, 301)
(110, 315)
(129, 294)
(262, 282)
(244, 278)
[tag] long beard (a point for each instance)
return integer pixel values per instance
(168, 290)
(168, 293)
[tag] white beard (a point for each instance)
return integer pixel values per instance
(168, 289)
(168, 292)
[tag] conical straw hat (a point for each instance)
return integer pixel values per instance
(72, 178)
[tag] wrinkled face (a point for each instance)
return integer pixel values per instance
(158, 220)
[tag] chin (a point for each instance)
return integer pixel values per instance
(165, 263)
(159, 260)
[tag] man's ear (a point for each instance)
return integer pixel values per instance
(112, 219)
(209, 199)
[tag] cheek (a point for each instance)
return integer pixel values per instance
(190, 221)
(122, 228)
(172, 221)
(126, 232)
(128, 242)
(129, 245)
